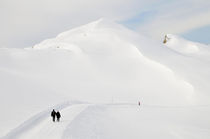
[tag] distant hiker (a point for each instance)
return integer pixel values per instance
(53, 114)
(58, 115)
(139, 103)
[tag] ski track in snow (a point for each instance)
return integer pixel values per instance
(93, 120)
(34, 121)
(49, 129)
(31, 127)
(99, 61)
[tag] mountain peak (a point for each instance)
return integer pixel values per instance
(101, 23)
(101, 31)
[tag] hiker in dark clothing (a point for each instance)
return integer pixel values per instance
(58, 115)
(53, 114)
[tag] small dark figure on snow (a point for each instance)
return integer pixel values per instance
(58, 115)
(139, 103)
(53, 114)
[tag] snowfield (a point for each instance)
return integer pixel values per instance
(95, 75)
(111, 121)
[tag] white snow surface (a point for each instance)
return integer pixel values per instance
(95, 75)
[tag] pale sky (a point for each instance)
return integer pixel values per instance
(25, 23)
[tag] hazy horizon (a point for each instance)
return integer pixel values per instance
(28, 22)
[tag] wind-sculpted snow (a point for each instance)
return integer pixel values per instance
(101, 62)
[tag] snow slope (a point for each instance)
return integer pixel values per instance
(48, 129)
(186, 47)
(103, 62)
(111, 121)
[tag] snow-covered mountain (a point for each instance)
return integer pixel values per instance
(184, 46)
(104, 64)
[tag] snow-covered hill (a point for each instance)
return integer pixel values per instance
(184, 46)
(111, 121)
(104, 63)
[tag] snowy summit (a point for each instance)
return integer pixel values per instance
(96, 75)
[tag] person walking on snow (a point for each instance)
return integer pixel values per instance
(58, 115)
(53, 114)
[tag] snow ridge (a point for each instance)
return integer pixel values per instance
(103, 62)
(184, 46)
(35, 121)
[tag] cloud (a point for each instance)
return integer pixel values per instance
(177, 17)
(198, 35)
(27, 22)
(32, 20)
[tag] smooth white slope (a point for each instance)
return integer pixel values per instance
(186, 47)
(131, 121)
(191, 62)
(98, 62)
(48, 129)
(107, 46)
(125, 121)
